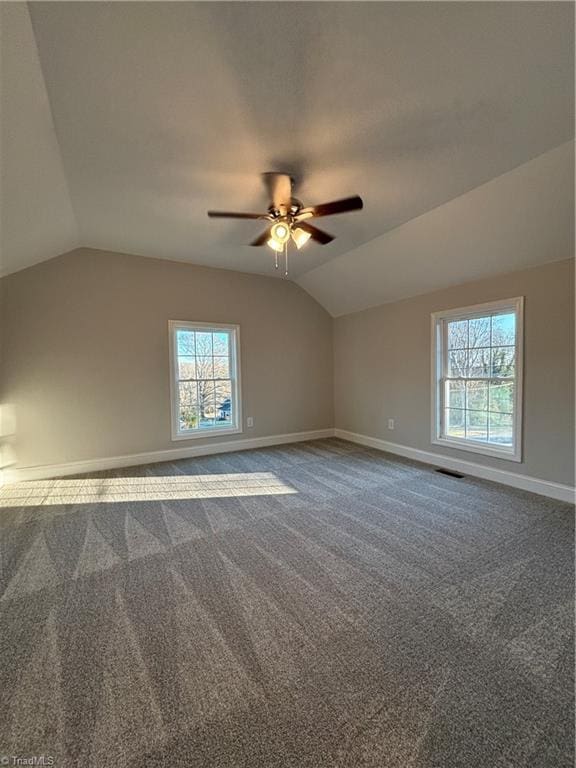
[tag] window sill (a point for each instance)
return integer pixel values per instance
(485, 450)
(197, 434)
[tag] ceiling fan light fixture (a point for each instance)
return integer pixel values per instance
(300, 237)
(275, 245)
(280, 232)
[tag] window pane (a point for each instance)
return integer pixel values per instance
(221, 368)
(206, 403)
(503, 361)
(479, 332)
(188, 405)
(458, 334)
(503, 329)
(477, 395)
(476, 425)
(455, 394)
(204, 343)
(204, 380)
(186, 367)
(454, 421)
(500, 428)
(223, 393)
(457, 363)
(185, 342)
(220, 341)
(476, 374)
(502, 397)
(204, 368)
(479, 363)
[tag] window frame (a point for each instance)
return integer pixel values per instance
(235, 380)
(439, 359)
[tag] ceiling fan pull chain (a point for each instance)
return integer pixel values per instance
(276, 259)
(286, 258)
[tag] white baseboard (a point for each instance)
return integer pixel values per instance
(46, 471)
(524, 482)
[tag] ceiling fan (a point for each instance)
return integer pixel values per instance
(289, 218)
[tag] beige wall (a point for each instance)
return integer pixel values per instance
(85, 358)
(86, 352)
(382, 368)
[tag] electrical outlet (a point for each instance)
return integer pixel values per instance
(390, 423)
(249, 421)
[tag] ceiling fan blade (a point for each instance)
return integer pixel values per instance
(232, 215)
(316, 234)
(329, 209)
(279, 187)
(262, 239)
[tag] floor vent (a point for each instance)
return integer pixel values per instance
(450, 473)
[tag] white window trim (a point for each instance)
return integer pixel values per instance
(235, 374)
(438, 343)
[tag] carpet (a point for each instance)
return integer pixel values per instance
(315, 605)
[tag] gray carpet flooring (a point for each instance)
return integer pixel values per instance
(317, 605)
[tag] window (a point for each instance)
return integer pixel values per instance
(205, 384)
(477, 378)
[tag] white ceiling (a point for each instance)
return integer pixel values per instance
(37, 220)
(520, 219)
(164, 110)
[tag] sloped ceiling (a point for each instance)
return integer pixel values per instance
(520, 219)
(37, 220)
(163, 110)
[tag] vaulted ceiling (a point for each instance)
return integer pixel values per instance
(160, 111)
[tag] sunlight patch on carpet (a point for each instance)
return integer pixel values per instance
(118, 489)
